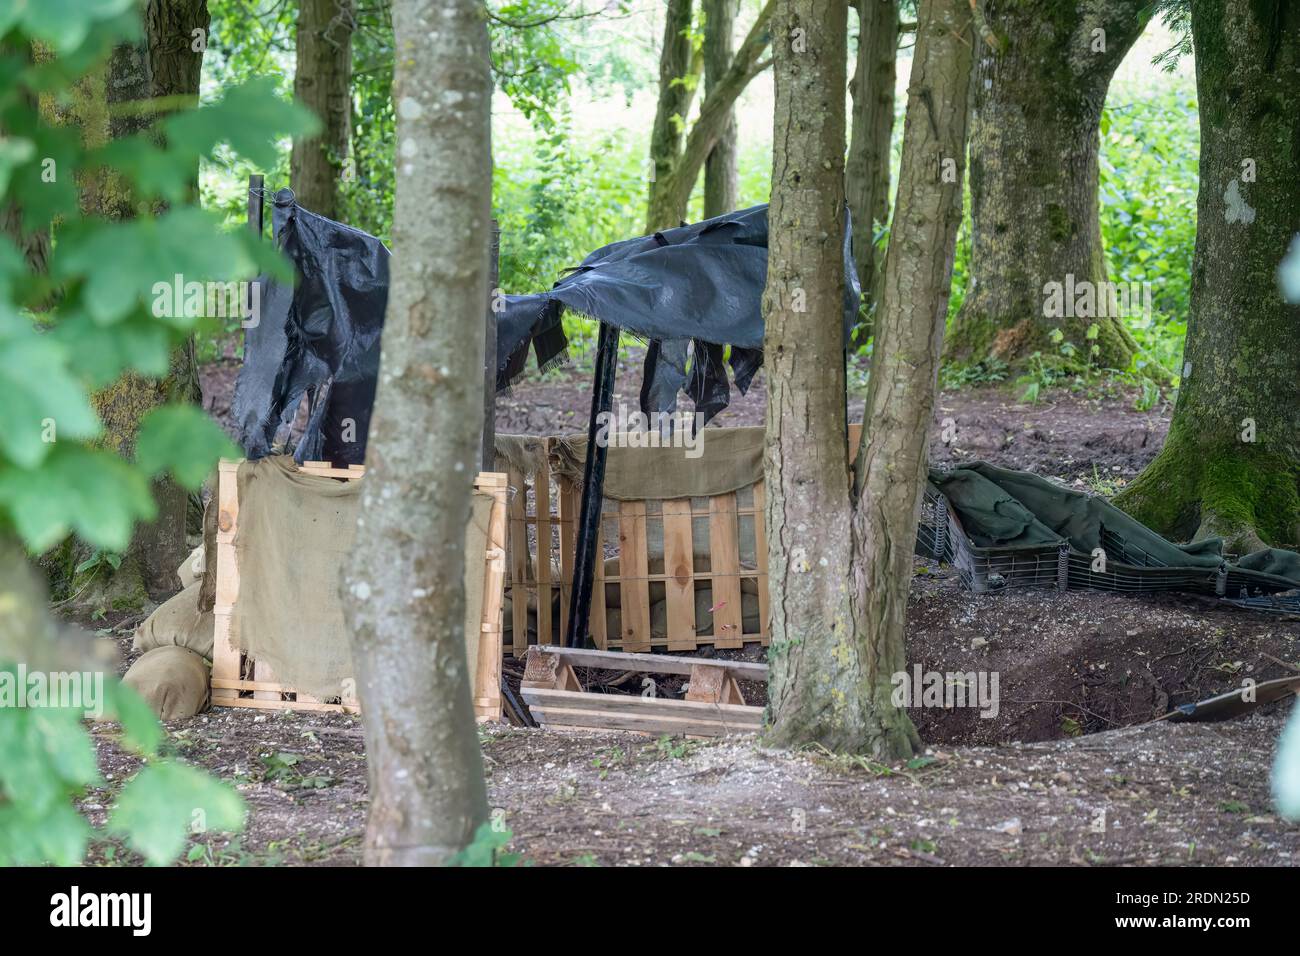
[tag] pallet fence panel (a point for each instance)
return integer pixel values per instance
(679, 567)
(633, 572)
(760, 558)
(519, 561)
(724, 548)
(267, 692)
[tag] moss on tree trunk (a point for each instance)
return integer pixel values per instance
(1232, 459)
(1040, 86)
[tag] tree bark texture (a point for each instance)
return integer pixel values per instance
(721, 174)
(840, 552)
(321, 82)
(815, 690)
(1241, 364)
(1040, 85)
(871, 130)
(402, 591)
(890, 471)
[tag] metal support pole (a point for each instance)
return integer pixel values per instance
(593, 490)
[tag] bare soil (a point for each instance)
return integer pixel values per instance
(1069, 771)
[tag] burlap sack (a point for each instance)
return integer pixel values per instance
(191, 569)
(173, 681)
(178, 622)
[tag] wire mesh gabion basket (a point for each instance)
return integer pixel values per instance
(1126, 566)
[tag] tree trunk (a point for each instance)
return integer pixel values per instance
(671, 190)
(165, 68)
(402, 591)
(871, 132)
(676, 91)
(837, 637)
(815, 686)
(1231, 461)
(321, 83)
(721, 178)
(1034, 174)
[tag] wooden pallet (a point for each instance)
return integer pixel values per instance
(688, 527)
(240, 682)
(714, 706)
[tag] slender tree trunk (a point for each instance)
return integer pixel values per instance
(839, 555)
(816, 688)
(672, 189)
(871, 133)
(1040, 87)
(1231, 461)
(401, 587)
(721, 176)
(321, 82)
(676, 92)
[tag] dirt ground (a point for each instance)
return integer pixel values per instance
(1069, 771)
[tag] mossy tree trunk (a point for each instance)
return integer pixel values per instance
(839, 550)
(401, 586)
(1043, 71)
(321, 82)
(1231, 461)
(721, 175)
(870, 133)
(164, 68)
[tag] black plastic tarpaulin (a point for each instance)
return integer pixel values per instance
(690, 292)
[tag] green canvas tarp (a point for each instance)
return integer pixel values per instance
(1009, 510)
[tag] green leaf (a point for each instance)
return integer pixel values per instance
(13, 153)
(129, 264)
(156, 173)
(102, 353)
(65, 24)
(37, 391)
(181, 439)
(57, 836)
(251, 118)
(165, 802)
(92, 492)
(140, 728)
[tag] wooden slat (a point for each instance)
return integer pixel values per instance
(645, 714)
(634, 589)
(855, 436)
(487, 674)
(652, 663)
(263, 674)
(519, 565)
(679, 565)
(724, 551)
(568, 505)
(597, 625)
(760, 557)
(225, 658)
(542, 506)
